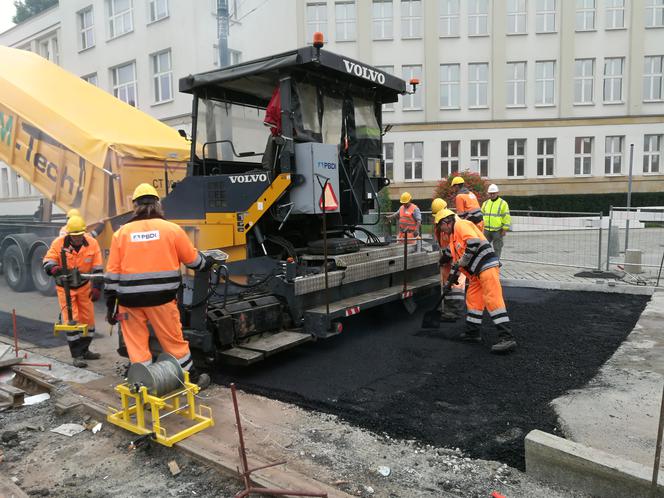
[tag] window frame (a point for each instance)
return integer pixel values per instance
(478, 16)
(516, 157)
(449, 163)
(649, 154)
(417, 97)
(319, 23)
(158, 74)
(610, 13)
(583, 79)
(612, 78)
(382, 21)
(349, 24)
(652, 9)
(451, 84)
(517, 16)
(652, 76)
(584, 11)
(84, 30)
(581, 156)
(512, 84)
(114, 16)
(413, 161)
(167, 14)
(478, 84)
(546, 157)
(541, 83)
(412, 20)
(479, 157)
(88, 77)
(544, 13)
(612, 155)
(118, 87)
(389, 107)
(388, 162)
(451, 19)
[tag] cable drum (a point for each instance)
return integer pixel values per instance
(160, 378)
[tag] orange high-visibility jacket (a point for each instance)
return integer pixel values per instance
(467, 206)
(407, 220)
(144, 264)
(470, 248)
(87, 259)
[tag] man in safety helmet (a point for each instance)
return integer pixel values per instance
(142, 280)
(70, 213)
(474, 256)
(466, 203)
(497, 219)
(94, 230)
(83, 253)
(409, 218)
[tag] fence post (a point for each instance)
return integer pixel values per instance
(599, 243)
(608, 242)
(629, 195)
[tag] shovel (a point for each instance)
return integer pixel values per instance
(408, 303)
(431, 319)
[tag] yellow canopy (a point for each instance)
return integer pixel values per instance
(81, 116)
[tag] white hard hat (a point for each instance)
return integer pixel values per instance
(493, 189)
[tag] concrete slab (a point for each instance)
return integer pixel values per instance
(575, 466)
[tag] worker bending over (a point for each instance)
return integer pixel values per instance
(497, 219)
(409, 218)
(474, 256)
(466, 203)
(83, 253)
(143, 277)
(452, 306)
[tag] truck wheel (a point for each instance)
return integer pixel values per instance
(17, 274)
(42, 282)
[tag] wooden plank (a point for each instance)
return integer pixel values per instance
(277, 342)
(12, 394)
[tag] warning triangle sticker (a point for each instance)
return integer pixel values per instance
(331, 203)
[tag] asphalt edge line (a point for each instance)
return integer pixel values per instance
(641, 290)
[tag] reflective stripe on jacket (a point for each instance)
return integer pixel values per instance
(496, 215)
(407, 220)
(87, 259)
(467, 206)
(470, 248)
(144, 264)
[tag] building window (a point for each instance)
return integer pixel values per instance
(478, 17)
(652, 153)
(411, 19)
(449, 158)
(613, 73)
(388, 159)
(516, 84)
(613, 155)
(413, 101)
(516, 17)
(120, 17)
(545, 82)
(316, 19)
(615, 14)
(124, 83)
(655, 14)
(162, 76)
(449, 18)
(584, 79)
(545, 17)
(49, 48)
(585, 15)
(91, 78)
(158, 10)
(478, 85)
(546, 148)
(234, 57)
(412, 156)
(86, 26)
(388, 70)
(653, 79)
(449, 86)
(583, 155)
(345, 20)
(479, 154)
(516, 156)
(383, 19)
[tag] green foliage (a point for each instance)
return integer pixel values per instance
(473, 182)
(25, 9)
(384, 201)
(585, 203)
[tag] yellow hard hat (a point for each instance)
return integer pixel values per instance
(457, 180)
(442, 214)
(75, 226)
(73, 212)
(144, 189)
(437, 204)
(405, 198)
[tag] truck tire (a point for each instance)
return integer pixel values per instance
(41, 281)
(17, 273)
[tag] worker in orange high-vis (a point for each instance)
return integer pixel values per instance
(466, 203)
(474, 256)
(70, 213)
(143, 277)
(93, 230)
(83, 253)
(409, 219)
(452, 305)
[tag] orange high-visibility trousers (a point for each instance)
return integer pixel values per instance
(82, 307)
(165, 321)
(485, 291)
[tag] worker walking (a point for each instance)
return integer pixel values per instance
(142, 280)
(466, 203)
(409, 218)
(474, 256)
(82, 253)
(497, 219)
(452, 305)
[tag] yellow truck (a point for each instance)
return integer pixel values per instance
(81, 148)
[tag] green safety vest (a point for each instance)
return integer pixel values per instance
(496, 215)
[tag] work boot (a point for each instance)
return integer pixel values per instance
(91, 355)
(448, 316)
(504, 345)
(79, 362)
(470, 335)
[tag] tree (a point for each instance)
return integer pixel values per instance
(25, 9)
(473, 182)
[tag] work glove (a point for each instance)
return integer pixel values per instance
(55, 270)
(95, 294)
(111, 313)
(445, 258)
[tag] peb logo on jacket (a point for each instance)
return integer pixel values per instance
(145, 236)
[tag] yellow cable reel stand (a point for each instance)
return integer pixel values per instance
(154, 392)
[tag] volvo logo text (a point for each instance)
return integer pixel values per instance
(258, 177)
(364, 72)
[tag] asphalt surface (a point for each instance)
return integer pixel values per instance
(385, 374)
(37, 332)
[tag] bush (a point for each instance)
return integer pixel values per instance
(473, 182)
